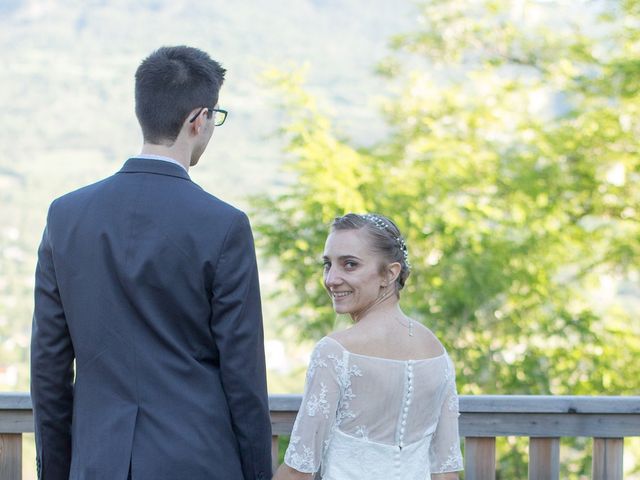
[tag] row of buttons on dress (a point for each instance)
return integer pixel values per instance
(407, 400)
(405, 413)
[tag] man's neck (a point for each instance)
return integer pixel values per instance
(175, 151)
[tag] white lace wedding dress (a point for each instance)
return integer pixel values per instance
(369, 418)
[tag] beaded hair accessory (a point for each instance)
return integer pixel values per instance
(384, 226)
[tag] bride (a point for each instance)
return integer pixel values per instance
(380, 399)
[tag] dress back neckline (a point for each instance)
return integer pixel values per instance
(384, 359)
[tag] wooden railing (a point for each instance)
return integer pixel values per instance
(544, 419)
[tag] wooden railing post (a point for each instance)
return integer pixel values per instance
(275, 454)
(607, 459)
(11, 456)
(480, 458)
(544, 458)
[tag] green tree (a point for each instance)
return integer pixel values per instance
(511, 166)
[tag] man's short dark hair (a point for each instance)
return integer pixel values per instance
(170, 83)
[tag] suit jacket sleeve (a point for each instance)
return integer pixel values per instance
(237, 328)
(51, 371)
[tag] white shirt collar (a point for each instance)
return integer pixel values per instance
(163, 158)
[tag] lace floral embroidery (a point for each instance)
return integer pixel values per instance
(303, 461)
(453, 461)
(315, 362)
(362, 432)
(453, 403)
(449, 380)
(301, 456)
(319, 402)
(449, 372)
(344, 375)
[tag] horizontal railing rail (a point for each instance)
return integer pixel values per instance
(544, 419)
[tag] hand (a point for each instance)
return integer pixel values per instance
(285, 472)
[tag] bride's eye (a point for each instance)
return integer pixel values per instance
(350, 264)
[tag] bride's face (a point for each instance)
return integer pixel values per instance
(352, 273)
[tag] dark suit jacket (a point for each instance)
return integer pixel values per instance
(150, 284)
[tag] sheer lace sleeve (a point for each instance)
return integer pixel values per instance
(445, 455)
(317, 415)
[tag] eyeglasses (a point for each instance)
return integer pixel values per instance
(219, 116)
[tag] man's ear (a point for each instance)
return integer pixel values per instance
(195, 127)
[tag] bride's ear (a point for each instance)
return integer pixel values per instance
(391, 273)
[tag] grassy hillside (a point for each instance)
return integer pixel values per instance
(68, 72)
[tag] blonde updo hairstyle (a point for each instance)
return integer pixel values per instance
(386, 240)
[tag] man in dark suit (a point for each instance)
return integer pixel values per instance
(150, 285)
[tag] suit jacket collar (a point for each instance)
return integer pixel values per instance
(158, 167)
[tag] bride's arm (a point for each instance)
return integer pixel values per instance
(285, 472)
(313, 426)
(444, 454)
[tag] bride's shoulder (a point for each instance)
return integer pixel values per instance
(340, 335)
(430, 344)
(348, 339)
(328, 345)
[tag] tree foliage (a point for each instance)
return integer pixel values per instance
(511, 166)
